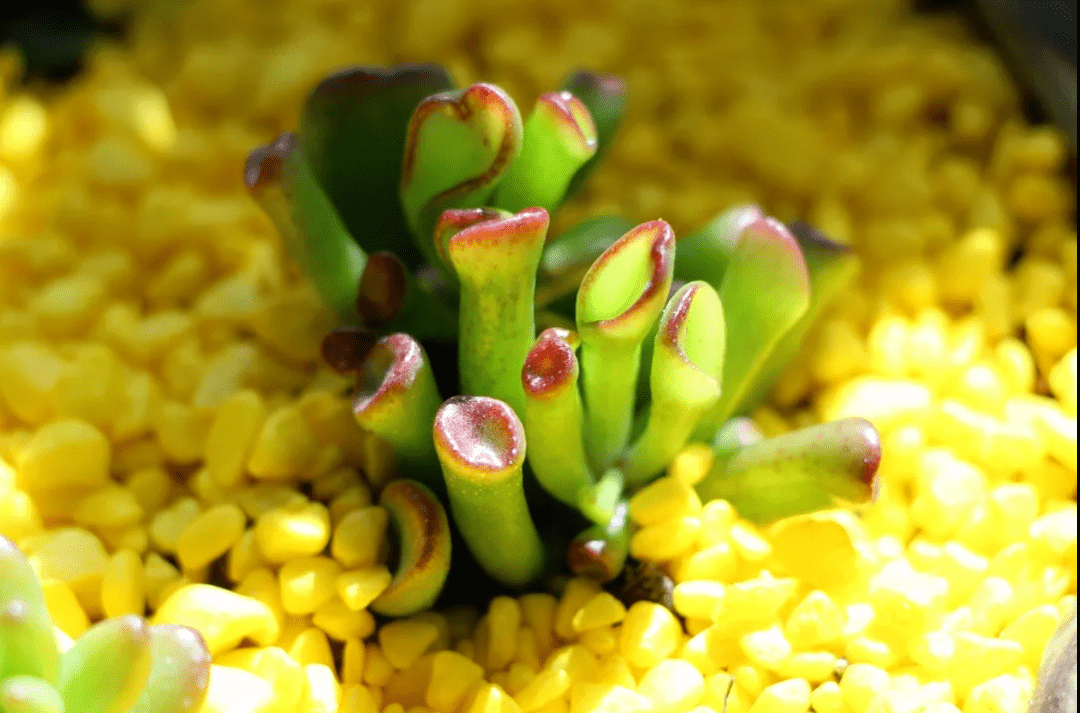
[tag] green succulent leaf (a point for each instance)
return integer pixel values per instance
(618, 302)
(179, 671)
(599, 501)
(459, 145)
(481, 446)
(687, 360)
(832, 267)
(279, 177)
(107, 668)
(567, 257)
(765, 292)
(605, 96)
(496, 262)
(423, 535)
(353, 127)
(553, 416)
(705, 253)
(559, 137)
(396, 399)
(29, 694)
(600, 551)
(798, 472)
(27, 642)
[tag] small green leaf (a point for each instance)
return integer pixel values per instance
(496, 263)
(705, 253)
(481, 446)
(423, 535)
(600, 551)
(107, 668)
(567, 257)
(765, 291)
(179, 671)
(598, 502)
(618, 302)
(553, 416)
(353, 127)
(279, 177)
(559, 138)
(799, 472)
(458, 147)
(832, 267)
(604, 95)
(27, 643)
(688, 356)
(29, 694)
(396, 399)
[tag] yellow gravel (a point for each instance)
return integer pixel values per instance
(161, 402)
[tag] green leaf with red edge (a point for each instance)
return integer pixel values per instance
(705, 253)
(280, 179)
(604, 95)
(179, 671)
(459, 145)
(832, 267)
(799, 472)
(559, 137)
(354, 126)
(765, 292)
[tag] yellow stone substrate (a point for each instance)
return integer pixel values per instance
(161, 401)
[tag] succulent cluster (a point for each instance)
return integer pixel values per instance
(120, 665)
(421, 213)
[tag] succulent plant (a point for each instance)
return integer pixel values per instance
(421, 214)
(119, 665)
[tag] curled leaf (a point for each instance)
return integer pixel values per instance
(27, 644)
(559, 137)
(553, 415)
(29, 694)
(107, 668)
(798, 472)
(496, 262)
(617, 304)
(705, 253)
(459, 145)
(353, 126)
(481, 446)
(179, 671)
(423, 535)
(396, 399)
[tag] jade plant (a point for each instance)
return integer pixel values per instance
(421, 214)
(119, 665)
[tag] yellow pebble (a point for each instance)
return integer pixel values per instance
(233, 690)
(699, 598)
(665, 540)
(67, 454)
(756, 603)
(791, 696)
(359, 537)
(718, 562)
(860, 683)
(223, 618)
(358, 588)
(1051, 332)
(814, 666)
(827, 698)
(285, 447)
(342, 623)
(403, 641)
(547, 686)
(210, 535)
(311, 647)
(1006, 693)
(609, 697)
(816, 620)
(601, 641)
(112, 506)
(167, 525)
(691, 464)
(1062, 380)
(602, 610)
(538, 610)
(491, 698)
(64, 608)
(649, 634)
(578, 591)
(237, 422)
(663, 499)
(300, 529)
(323, 689)
(307, 583)
(122, 586)
(673, 686)
(452, 677)
(767, 648)
(503, 618)
(1032, 630)
(377, 668)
